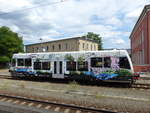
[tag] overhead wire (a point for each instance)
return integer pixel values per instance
(30, 8)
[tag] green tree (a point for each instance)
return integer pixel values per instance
(10, 43)
(69, 57)
(96, 38)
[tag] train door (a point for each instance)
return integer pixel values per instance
(58, 71)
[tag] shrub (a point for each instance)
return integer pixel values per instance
(4, 59)
(75, 72)
(73, 86)
(38, 59)
(81, 60)
(109, 72)
(41, 72)
(123, 72)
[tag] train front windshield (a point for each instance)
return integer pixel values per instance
(13, 62)
(124, 63)
(24, 62)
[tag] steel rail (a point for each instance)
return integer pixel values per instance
(74, 107)
(141, 86)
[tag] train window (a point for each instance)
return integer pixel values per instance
(37, 65)
(28, 62)
(13, 62)
(45, 65)
(124, 63)
(55, 67)
(107, 62)
(96, 62)
(20, 62)
(71, 66)
(83, 66)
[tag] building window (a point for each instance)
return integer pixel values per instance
(87, 46)
(53, 47)
(59, 46)
(94, 47)
(37, 49)
(41, 49)
(33, 49)
(47, 48)
(83, 45)
(66, 46)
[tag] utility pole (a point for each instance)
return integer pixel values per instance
(41, 49)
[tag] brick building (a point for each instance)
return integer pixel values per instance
(140, 41)
(70, 44)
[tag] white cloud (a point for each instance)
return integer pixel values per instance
(14, 28)
(112, 19)
(120, 41)
(12, 5)
(135, 13)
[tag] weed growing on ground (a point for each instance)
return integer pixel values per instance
(98, 96)
(73, 86)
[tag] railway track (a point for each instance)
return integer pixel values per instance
(5, 77)
(141, 86)
(53, 106)
(136, 85)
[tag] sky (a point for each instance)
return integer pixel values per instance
(51, 20)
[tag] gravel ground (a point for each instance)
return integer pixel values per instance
(4, 72)
(121, 99)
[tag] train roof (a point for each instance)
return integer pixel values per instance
(74, 53)
(69, 52)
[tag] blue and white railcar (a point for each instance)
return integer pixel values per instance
(97, 65)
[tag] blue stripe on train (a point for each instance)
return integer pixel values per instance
(25, 70)
(22, 69)
(101, 76)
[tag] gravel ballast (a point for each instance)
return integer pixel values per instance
(120, 99)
